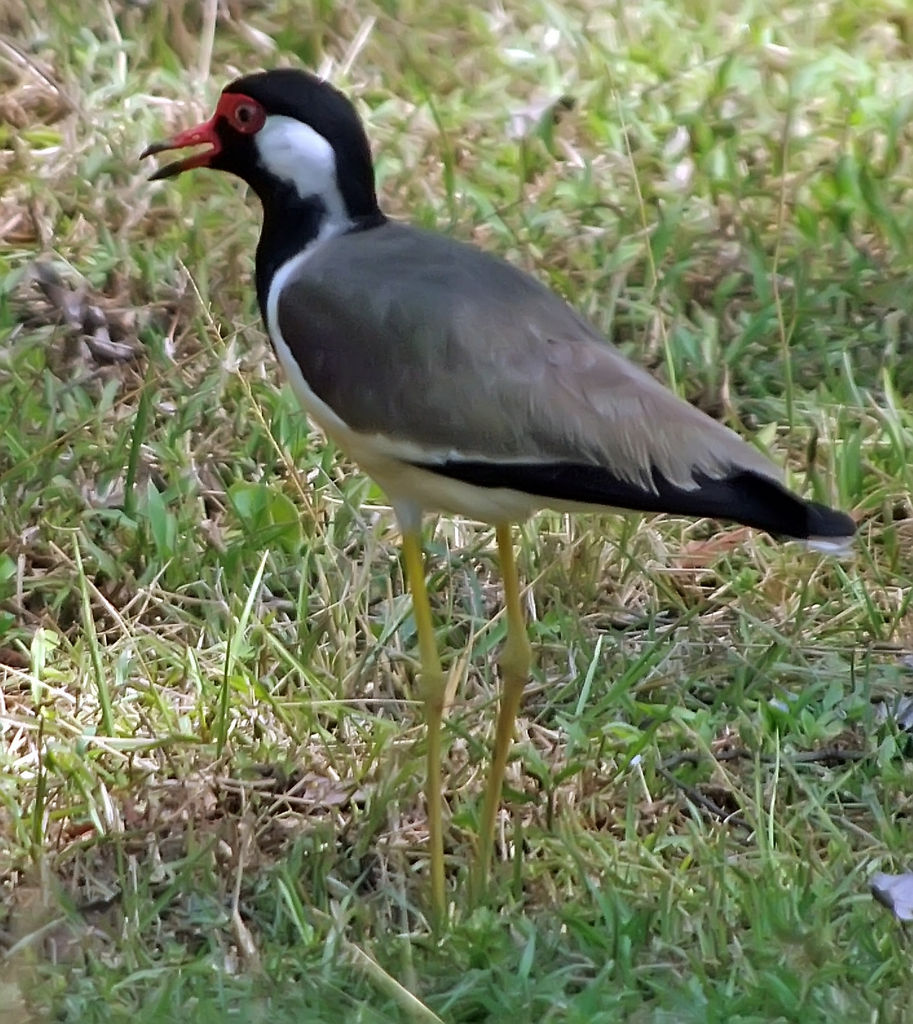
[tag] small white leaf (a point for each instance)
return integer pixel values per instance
(894, 892)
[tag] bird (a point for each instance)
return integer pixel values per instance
(458, 382)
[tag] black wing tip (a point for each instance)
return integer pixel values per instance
(826, 523)
(745, 496)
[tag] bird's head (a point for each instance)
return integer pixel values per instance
(279, 130)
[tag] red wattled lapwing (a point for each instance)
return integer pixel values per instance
(458, 382)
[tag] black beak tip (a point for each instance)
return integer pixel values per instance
(162, 172)
(152, 149)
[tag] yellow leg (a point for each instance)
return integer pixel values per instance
(432, 689)
(515, 661)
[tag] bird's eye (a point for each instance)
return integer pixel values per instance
(248, 118)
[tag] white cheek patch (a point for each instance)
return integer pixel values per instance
(294, 152)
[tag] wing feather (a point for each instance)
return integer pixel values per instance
(443, 352)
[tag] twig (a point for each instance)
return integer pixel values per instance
(827, 756)
(705, 803)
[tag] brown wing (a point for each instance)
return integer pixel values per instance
(462, 355)
(448, 359)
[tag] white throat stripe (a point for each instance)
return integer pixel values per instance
(294, 152)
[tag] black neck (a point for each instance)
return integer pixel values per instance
(290, 225)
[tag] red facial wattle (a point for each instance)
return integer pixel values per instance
(242, 114)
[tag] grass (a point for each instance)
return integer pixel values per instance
(210, 763)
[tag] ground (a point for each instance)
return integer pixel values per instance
(210, 746)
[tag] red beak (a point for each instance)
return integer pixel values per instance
(203, 135)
